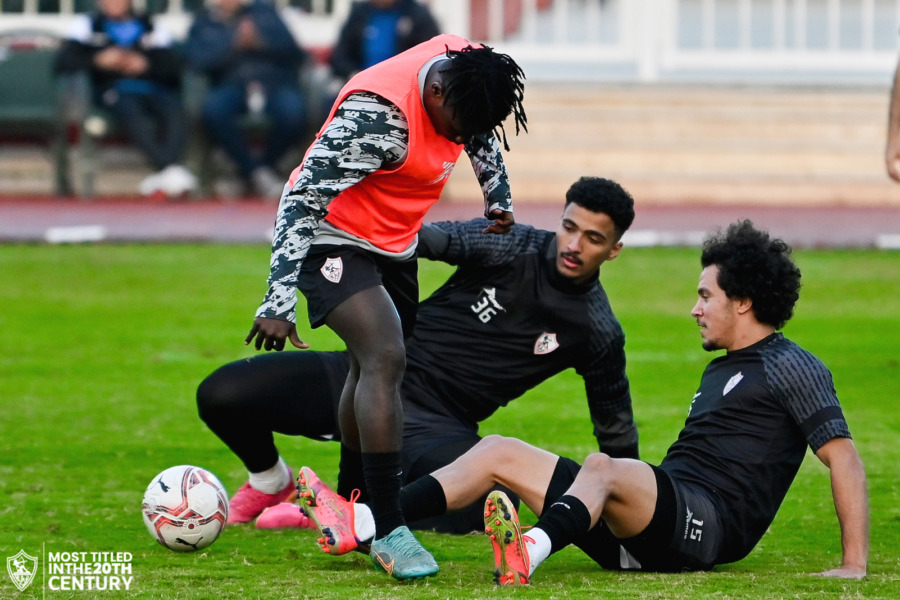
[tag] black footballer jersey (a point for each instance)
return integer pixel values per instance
(505, 321)
(750, 422)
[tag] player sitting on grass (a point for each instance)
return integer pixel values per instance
(479, 316)
(720, 484)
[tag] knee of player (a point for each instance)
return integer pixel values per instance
(215, 396)
(598, 464)
(389, 360)
(498, 447)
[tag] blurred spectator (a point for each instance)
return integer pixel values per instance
(892, 148)
(379, 29)
(135, 74)
(253, 65)
(374, 31)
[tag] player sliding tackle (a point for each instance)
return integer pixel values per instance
(720, 484)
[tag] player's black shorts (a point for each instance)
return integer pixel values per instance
(685, 533)
(433, 439)
(330, 274)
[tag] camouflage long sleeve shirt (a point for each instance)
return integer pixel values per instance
(366, 134)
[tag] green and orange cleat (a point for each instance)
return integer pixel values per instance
(501, 523)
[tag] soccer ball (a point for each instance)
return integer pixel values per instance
(185, 508)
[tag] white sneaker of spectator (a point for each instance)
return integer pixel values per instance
(150, 184)
(177, 180)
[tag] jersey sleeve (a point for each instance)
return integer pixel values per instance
(804, 386)
(490, 170)
(366, 132)
(606, 383)
(468, 244)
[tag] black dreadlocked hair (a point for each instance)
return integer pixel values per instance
(755, 266)
(483, 87)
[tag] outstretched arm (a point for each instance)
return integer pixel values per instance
(607, 388)
(848, 488)
(487, 161)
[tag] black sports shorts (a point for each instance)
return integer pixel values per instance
(685, 533)
(330, 274)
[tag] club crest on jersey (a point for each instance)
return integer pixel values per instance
(732, 383)
(333, 269)
(546, 343)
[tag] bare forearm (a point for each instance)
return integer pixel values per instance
(848, 487)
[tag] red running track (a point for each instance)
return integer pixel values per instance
(42, 219)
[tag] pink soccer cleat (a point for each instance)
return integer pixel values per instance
(286, 515)
(248, 503)
(331, 514)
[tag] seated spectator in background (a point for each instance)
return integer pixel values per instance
(136, 74)
(374, 31)
(378, 29)
(253, 64)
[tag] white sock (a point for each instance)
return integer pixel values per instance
(363, 522)
(272, 480)
(537, 544)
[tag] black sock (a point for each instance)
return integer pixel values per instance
(564, 521)
(423, 498)
(384, 474)
(350, 475)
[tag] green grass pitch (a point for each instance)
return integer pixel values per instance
(102, 347)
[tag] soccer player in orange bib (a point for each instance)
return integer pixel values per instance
(345, 235)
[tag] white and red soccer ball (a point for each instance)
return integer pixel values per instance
(185, 508)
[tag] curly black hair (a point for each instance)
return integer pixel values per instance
(484, 87)
(604, 196)
(754, 266)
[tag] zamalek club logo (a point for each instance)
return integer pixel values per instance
(732, 383)
(21, 569)
(546, 343)
(333, 269)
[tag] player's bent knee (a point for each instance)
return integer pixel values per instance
(490, 441)
(490, 444)
(214, 397)
(604, 471)
(390, 361)
(500, 447)
(598, 463)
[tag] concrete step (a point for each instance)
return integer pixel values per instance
(666, 144)
(726, 145)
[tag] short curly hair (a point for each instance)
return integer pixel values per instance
(754, 266)
(604, 196)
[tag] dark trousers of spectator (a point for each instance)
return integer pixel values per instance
(155, 123)
(225, 104)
